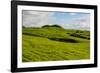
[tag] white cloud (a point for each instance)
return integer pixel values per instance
(78, 24)
(84, 24)
(36, 18)
(40, 18)
(72, 13)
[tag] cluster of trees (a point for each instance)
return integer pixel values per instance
(51, 26)
(80, 35)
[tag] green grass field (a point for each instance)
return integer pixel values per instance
(54, 44)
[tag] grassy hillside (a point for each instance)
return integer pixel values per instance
(53, 43)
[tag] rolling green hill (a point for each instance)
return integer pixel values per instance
(54, 43)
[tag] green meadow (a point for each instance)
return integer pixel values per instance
(53, 43)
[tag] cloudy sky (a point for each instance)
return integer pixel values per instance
(67, 20)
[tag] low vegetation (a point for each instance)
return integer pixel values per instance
(52, 43)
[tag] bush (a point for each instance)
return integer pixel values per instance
(23, 26)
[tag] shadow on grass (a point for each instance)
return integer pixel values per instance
(79, 36)
(64, 40)
(55, 39)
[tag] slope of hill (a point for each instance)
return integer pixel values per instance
(54, 43)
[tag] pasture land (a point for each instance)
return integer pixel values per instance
(54, 44)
